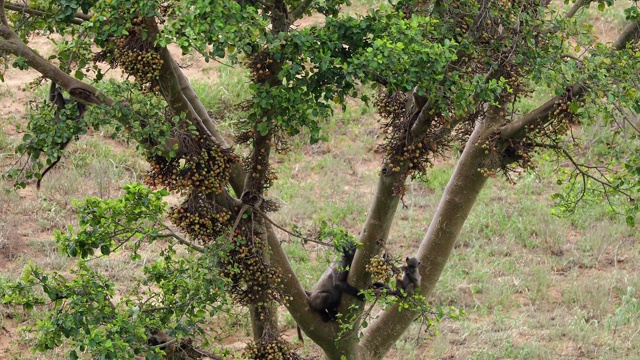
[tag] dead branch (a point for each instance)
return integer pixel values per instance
(23, 8)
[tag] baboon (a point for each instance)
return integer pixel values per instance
(326, 294)
(407, 284)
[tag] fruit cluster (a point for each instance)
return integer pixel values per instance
(273, 349)
(258, 167)
(201, 218)
(253, 279)
(136, 56)
(259, 65)
(381, 270)
(403, 152)
(204, 167)
(391, 106)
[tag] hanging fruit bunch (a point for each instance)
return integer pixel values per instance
(276, 349)
(259, 64)
(135, 55)
(251, 276)
(202, 167)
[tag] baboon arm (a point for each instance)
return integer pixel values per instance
(353, 291)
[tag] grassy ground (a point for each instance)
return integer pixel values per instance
(532, 285)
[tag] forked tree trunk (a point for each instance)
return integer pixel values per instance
(455, 205)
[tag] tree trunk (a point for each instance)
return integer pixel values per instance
(452, 211)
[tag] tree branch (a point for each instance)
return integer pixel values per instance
(629, 33)
(310, 321)
(583, 170)
(542, 114)
(518, 128)
(574, 9)
(11, 43)
(183, 241)
(80, 18)
(300, 10)
(3, 16)
(436, 246)
(289, 232)
(182, 98)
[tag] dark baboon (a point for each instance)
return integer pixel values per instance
(326, 294)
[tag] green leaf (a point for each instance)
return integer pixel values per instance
(631, 220)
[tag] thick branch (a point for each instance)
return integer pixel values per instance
(309, 321)
(3, 16)
(629, 34)
(11, 43)
(182, 98)
(518, 128)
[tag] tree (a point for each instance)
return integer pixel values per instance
(448, 72)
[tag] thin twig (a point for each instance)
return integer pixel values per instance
(289, 232)
(164, 344)
(183, 241)
(569, 56)
(606, 183)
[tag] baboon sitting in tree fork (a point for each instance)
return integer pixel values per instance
(326, 294)
(408, 283)
(411, 277)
